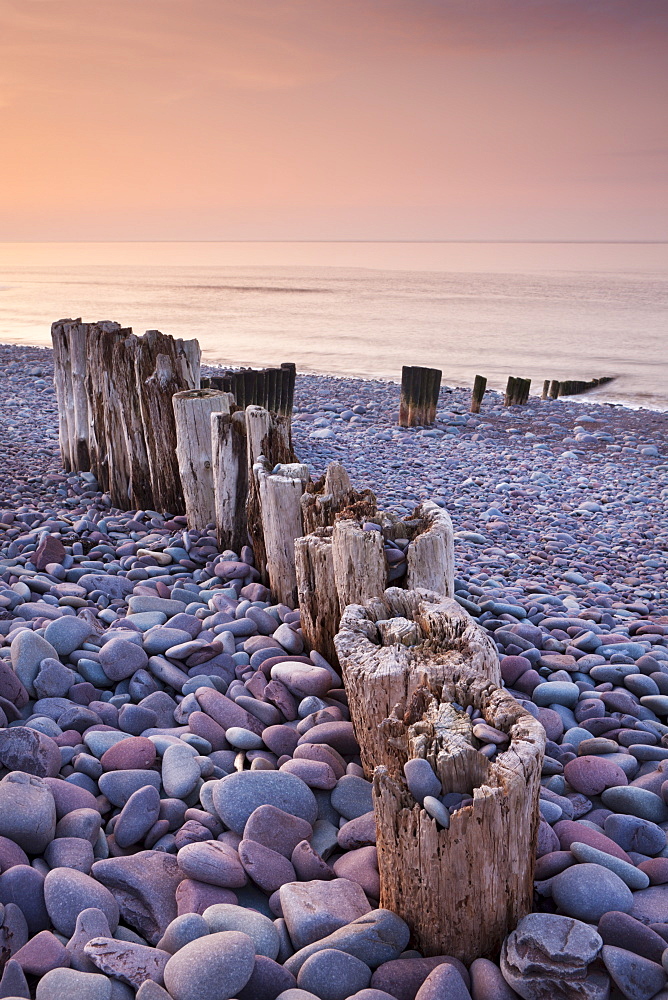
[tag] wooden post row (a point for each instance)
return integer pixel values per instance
(411, 661)
(115, 411)
(420, 388)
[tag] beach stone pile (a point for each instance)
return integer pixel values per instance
(182, 808)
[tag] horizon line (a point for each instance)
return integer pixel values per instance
(338, 241)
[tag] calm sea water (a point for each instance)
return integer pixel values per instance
(538, 310)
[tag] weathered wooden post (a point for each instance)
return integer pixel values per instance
(525, 390)
(546, 389)
(316, 591)
(510, 391)
(554, 389)
(230, 478)
(420, 388)
(70, 367)
(479, 386)
(280, 494)
(267, 434)
(420, 659)
(338, 548)
(192, 412)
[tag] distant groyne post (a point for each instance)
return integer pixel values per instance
(479, 386)
(420, 388)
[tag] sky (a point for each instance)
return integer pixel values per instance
(333, 119)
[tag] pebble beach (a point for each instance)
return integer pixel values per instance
(183, 813)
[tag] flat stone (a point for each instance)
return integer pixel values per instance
(68, 892)
(144, 886)
(59, 983)
(22, 886)
(276, 829)
(185, 928)
(27, 811)
(28, 649)
(258, 927)
(374, 938)
(444, 981)
(590, 775)
(587, 891)
(548, 956)
(121, 658)
(67, 634)
(636, 802)
(267, 868)
(632, 876)
(487, 982)
(352, 796)
(636, 977)
(313, 910)
(129, 753)
(118, 786)
(624, 931)
(90, 924)
(41, 954)
(212, 968)
(212, 862)
(137, 817)
(111, 586)
(131, 963)
(27, 750)
(405, 976)
(236, 796)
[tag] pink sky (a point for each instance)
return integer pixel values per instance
(333, 119)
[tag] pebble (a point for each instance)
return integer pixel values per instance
(215, 967)
(333, 974)
(548, 522)
(587, 891)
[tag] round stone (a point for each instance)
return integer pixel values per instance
(237, 795)
(591, 775)
(215, 967)
(229, 917)
(68, 892)
(333, 975)
(587, 891)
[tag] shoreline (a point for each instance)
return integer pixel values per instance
(136, 672)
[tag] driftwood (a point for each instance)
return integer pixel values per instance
(192, 412)
(230, 478)
(420, 388)
(421, 660)
(280, 494)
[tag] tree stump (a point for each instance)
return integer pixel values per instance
(280, 494)
(192, 412)
(230, 478)
(462, 888)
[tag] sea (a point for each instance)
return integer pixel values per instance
(365, 309)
